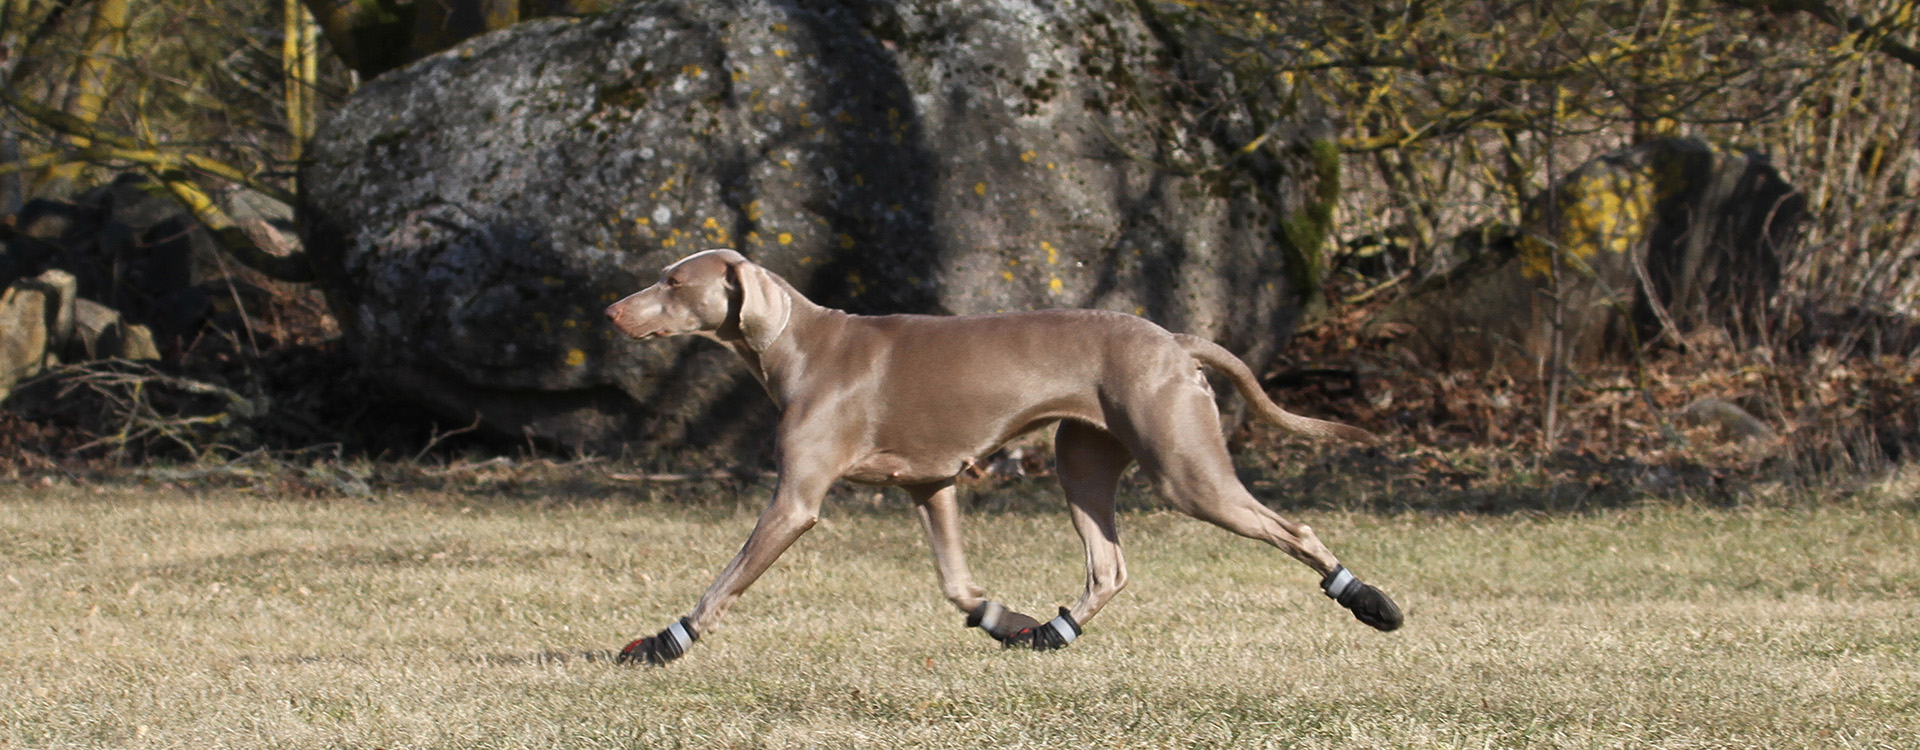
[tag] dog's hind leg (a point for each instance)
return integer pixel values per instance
(1089, 462)
(1180, 450)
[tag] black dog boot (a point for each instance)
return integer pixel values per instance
(662, 647)
(1014, 630)
(1369, 605)
(1000, 622)
(1057, 633)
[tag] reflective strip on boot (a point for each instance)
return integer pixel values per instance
(1337, 582)
(988, 615)
(1065, 627)
(679, 636)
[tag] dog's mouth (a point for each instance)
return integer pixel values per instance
(640, 335)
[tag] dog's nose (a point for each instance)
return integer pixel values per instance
(613, 312)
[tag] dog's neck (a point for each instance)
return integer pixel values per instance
(784, 354)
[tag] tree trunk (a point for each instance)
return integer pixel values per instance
(106, 37)
(299, 66)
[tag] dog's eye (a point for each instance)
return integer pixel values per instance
(672, 282)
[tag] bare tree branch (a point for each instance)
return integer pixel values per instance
(294, 268)
(1874, 37)
(127, 148)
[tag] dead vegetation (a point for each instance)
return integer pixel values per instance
(1705, 418)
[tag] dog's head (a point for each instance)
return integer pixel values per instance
(717, 293)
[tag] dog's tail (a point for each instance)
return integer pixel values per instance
(1222, 361)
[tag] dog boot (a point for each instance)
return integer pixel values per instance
(662, 647)
(1000, 622)
(1056, 633)
(1369, 605)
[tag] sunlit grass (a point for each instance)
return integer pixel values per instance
(149, 618)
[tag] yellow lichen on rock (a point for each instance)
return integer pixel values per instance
(1605, 209)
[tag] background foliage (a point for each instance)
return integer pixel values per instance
(1452, 118)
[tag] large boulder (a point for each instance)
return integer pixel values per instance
(471, 214)
(1654, 240)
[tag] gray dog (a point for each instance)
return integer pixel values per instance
(912, 400)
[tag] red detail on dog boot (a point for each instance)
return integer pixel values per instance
(998, 621)
(661, 647)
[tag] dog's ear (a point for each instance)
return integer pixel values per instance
(764, 304)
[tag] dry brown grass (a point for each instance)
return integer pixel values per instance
(163, 618)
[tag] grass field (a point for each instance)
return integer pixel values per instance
(170, 618)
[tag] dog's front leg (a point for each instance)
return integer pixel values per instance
(795, 508)
(940, 515)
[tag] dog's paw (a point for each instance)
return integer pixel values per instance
(1047, 636)
(1368, 604)
(643, 651)
(1373, 607)
(1000, 622)
(662, 647)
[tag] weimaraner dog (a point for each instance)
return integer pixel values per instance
(912, 400)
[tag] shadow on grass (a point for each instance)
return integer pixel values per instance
(1368, 481)
(553, 658)
(1343, 479)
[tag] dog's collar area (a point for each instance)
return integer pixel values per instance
(1337, 582)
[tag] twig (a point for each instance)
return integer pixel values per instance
(434, 438)
(259, 464)
(1378, 288)
(1638, 349)
(461, 468)
(694, 476)
(1667, 326)
(126, 389)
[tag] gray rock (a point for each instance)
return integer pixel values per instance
(43, 323)
(1735, 423)
(99, 332)
(36, 317)
(127, 244)
(31, 239)
(471, 214)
